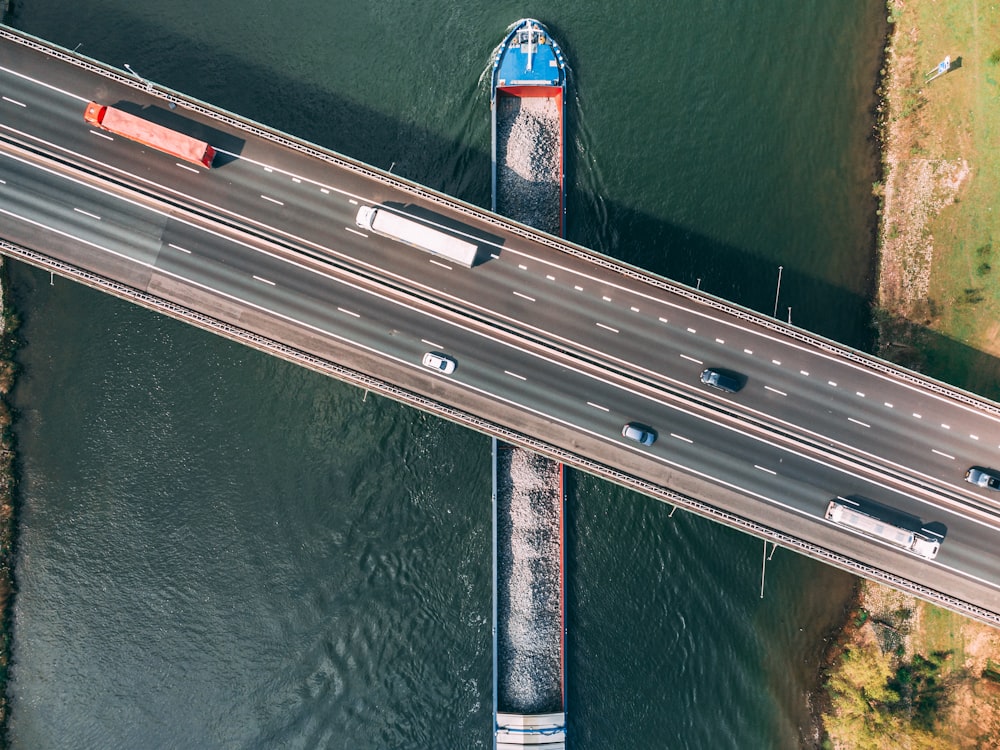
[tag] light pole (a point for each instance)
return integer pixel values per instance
(149, 86)
(776, 293)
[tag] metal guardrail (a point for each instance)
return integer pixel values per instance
(370, 383)
(474, 212)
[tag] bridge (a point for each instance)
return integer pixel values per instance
(557, 347)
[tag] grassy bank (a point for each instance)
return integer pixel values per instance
(906, 673)
(939, 296)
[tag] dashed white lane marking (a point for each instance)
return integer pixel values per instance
(439, 263)
(273, 200)
(606, 299)
(804, 372)
(946, 426)
(550, 277)
(87, 213)
(917, 416)
(832, 382)
(606, 327)
(776, 362)
(14, 101)
(692, 330)
(859, 393)
(524, 296)
(664, 320)
(296, 179)
(720, 341)
(887, 404)
(769, 471)
(3, 182)
(178, 247)
(692, 359)
(324, 191)
(774, 390)
(748, 351)
(681, 437)
(974, 437)
(514, 375)
(185, 166)
(265, 281)
(99, 134)
(355, 231)
(598, 406)
(431, 344)
(349, 312)
(578, 288)
(942, 453)
(858, 421)
(522, 266)
(268, 169)
(634, 309)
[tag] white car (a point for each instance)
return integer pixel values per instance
(640, 433)
(440, 362)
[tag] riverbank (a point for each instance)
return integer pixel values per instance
(905, 672)
(8, 331)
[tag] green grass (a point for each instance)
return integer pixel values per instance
(960, 121)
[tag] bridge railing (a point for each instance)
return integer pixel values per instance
(528, 233)
(478, 214)
(481, 424)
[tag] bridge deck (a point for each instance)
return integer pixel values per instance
(557, 346)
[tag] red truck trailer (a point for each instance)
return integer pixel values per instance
(149, 134)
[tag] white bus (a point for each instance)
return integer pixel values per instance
(417, 234)
(850, 514)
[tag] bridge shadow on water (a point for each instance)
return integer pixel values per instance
(744, 277)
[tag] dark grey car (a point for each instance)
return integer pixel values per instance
(724, 380)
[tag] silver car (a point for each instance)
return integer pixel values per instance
(640, 433)
(983, 477)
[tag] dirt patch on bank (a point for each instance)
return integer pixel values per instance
(915, 186)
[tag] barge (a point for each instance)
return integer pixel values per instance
(528, 107)
(527, 103)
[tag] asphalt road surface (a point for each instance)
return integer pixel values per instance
(547, 342)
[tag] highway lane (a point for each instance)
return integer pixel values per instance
(587, 401)
(597, 314)
(785, 383)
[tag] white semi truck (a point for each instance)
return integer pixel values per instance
(858, 518)
(417, 234)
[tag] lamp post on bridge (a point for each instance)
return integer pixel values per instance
(776, 293)
(149, 85)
